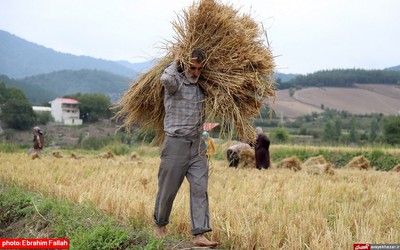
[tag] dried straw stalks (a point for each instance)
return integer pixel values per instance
(236, 80)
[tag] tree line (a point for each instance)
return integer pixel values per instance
(341, 78)
(16, 111)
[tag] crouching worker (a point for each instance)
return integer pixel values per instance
(232, 153)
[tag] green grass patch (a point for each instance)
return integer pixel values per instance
(25, 214)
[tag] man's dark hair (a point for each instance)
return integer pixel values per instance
(199, 55)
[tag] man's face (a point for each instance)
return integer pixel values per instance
(194, 71)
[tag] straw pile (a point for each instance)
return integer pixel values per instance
(57, 154)
(396, 168)
(318, 166)
(359, 162)
(246, 158)
(292, 163)
(236, 79)
(35, 156)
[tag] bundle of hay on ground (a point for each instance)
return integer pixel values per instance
(35, 156)
(396, 168)
(57, 154)
(292, 163)
(318, 166)
(247, 158)
(237, 78)
(106, 155)
(315, 160)
(359, 162)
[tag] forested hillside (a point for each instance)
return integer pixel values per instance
(67, 82)
(342, 78)
(43, 88)
(20, 58)
(35, 94)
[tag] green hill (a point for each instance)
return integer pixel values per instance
(43, 88)
(20, 58)
(68, 82)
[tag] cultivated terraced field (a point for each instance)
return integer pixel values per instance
(361, 99)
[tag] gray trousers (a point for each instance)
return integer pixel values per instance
(182, 157)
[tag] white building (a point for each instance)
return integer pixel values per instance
(41, 109)
(66, 111)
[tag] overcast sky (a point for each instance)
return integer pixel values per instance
(305, 35)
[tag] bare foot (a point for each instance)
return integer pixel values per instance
(160, 231)
(201, 241)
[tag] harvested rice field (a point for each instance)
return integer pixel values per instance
(315, 207)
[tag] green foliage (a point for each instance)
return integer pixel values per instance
(69, 82)
(279, 135)
(102, 237)
(378, 159)
(144, 136)
(118, 148)
(18, 115)
(93, 106)
(382, 161)
(373, 133)
(44, 117)
(14, 205)
(9, 148)
(329, 131)
(353, 137)
(343, 78)
(391, 128)
(16, 112)
(35, 94)
(95, 143)
(83, 224)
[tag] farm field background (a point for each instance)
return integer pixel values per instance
(360, 99)
(250, 209)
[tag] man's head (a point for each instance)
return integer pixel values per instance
(36, 129)
(196, 65)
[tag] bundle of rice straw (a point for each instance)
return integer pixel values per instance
(237, 78)
(359, 162)
(292, 163)
(246, 158)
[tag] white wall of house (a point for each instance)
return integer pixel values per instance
(41, 109)
(66, 111)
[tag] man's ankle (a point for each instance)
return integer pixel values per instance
(159, 231)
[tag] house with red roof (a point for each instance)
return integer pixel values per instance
(66, 111)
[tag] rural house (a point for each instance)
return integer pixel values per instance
(39, 109)
(66, 111)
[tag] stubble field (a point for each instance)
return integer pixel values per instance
(360, 99)
(250, 209)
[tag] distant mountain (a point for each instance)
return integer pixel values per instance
(35, 94)
(138, 67)
(20, 58)
(43, 88)
(284, 77)
(67, 82)
(396, 68)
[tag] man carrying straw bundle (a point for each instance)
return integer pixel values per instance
(183, 152)
(232, 89)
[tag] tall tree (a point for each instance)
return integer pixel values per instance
(16, 111)
(373, 133)
(94, 106)
(353, 137)
(391, 128)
